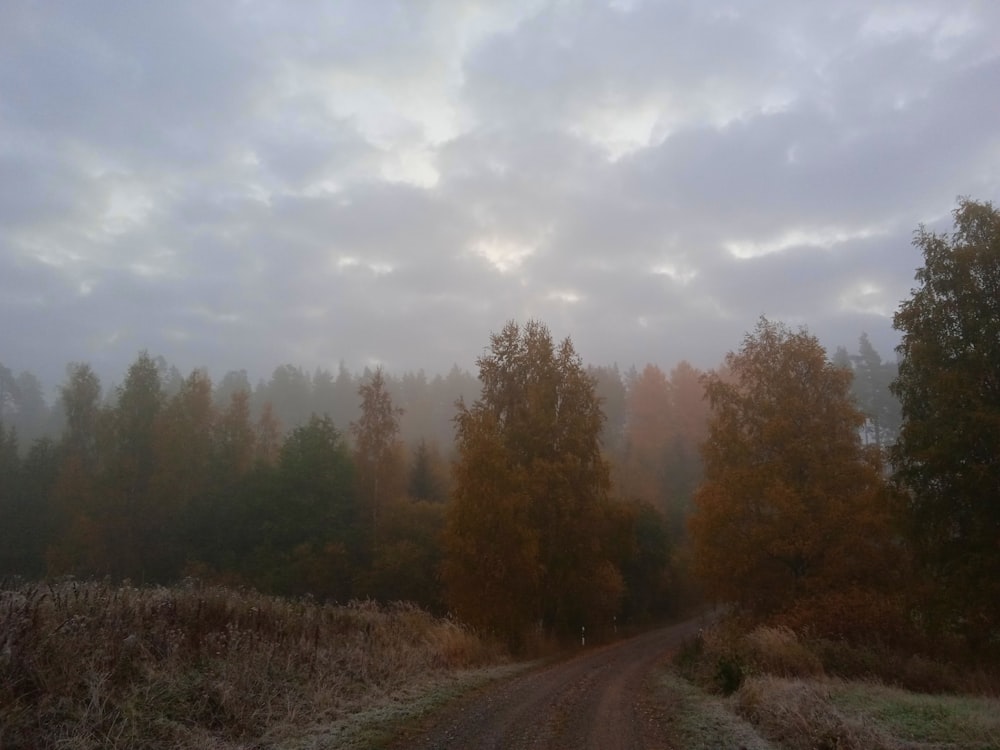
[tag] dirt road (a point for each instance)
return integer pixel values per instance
(600, 700)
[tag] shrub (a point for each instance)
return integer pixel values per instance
(778, 651)
(720, 658)
(729, 675)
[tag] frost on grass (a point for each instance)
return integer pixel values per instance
(798, 715)
(89, 665)
(951, 720)
(698, 721)
(376, 724)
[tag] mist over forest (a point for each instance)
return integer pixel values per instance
(134, 480)
(495, 324)
(35, 409)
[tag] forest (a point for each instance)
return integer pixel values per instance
(333, 486)
(838, 493)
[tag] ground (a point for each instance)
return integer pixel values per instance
(602, 699)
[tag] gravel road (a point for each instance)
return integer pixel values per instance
(601, 699)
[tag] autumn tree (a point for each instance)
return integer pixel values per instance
(526, 538)
(793, 509)
(375, 436)
(406, 564)
(948, 454)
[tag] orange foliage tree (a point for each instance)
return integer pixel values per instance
(527, 532)
(793, 509)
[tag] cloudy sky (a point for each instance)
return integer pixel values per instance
(245, 184)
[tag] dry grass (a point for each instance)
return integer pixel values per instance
(799, 715)
(723, 656)
(837, 715)
(778, 651)
(912, 671)
(697, 721)
(89, 665)
(957, 721)
(792, 693)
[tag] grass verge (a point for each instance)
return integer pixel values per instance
(697, 720)
(383, 721)
(732, 689)
(959, 721)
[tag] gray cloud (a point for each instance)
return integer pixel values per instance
(243, 185)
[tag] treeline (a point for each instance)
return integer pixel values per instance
(291, 394)
(165, 476)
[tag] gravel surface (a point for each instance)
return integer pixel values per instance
(602, 699)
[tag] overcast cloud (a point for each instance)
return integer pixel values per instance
(245, 184)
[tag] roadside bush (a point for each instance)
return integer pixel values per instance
(729, 674)
(722, 657)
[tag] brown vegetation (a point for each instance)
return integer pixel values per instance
(793, 510)
(779, 690)
(89, 665)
